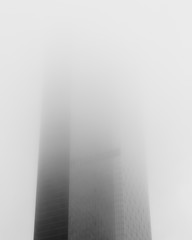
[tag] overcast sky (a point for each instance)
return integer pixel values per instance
(148, 45)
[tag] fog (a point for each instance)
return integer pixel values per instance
(137, 58)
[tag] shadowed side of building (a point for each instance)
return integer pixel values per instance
(52, 198)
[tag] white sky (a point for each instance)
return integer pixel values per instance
(150, 41)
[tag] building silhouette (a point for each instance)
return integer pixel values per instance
(89, 187)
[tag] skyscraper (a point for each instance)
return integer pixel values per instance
(90, 186)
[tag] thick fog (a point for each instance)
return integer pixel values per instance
(128, 62)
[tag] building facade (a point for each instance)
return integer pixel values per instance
(90, 186)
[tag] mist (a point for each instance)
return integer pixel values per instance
(129, 70)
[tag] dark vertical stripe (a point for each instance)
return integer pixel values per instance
(52, 197)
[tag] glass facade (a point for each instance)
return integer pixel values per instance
(87, 188)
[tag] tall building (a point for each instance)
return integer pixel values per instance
(90, 186)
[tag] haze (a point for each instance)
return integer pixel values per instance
(137, 57)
